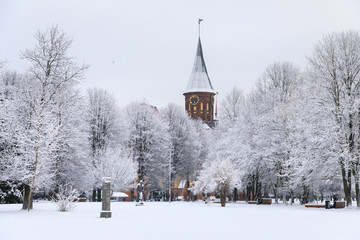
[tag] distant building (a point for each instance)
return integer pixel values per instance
(119, 197)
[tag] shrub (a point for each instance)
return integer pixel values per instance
(65, 198)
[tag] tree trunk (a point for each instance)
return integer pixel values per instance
(253, 195)
(223, 197)
(187, 189)
(266, 192)
(343, 174)
(99, 194)
(349, 200)
(258, 189)
(357, 193)
(30, 197)
(27, 199)
(351, 149)
(248, 194)
(94, 195)
(132, 195)
(357, 187)
(276, 196)
(30, 206)
(346, 183)
(305, 196)
(235, 195)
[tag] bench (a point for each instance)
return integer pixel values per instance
(315, 205)
(80, 200)
(340, 204)
(265, 201)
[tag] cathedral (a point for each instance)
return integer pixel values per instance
(199, 93)
(200, 104)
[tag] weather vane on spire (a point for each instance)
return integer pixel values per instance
(200, 20)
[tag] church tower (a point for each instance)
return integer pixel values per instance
(199, 93)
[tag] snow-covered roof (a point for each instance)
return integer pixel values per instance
(199, 79)
(119, 194)
(206, 126)
(182, 184)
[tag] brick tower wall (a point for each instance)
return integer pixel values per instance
(204, 109)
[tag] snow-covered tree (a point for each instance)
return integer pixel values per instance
(220, 176)
(2, 65)
(232, 107)
(8, 82)
(51, 76)
(149, 143)
(255, 133)
(70, 142)
(186, 143)
(102, 119)
(335, 66)
(115, 163)
(9, 129)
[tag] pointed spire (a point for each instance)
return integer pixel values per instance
(200, 20)
(199, 79)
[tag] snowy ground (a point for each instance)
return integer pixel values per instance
(178, 220)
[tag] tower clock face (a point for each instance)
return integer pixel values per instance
(194, 99)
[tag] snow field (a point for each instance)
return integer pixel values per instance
(177, 220)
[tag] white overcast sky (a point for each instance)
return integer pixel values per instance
(144, 49)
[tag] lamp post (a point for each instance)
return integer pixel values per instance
(170, 180)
